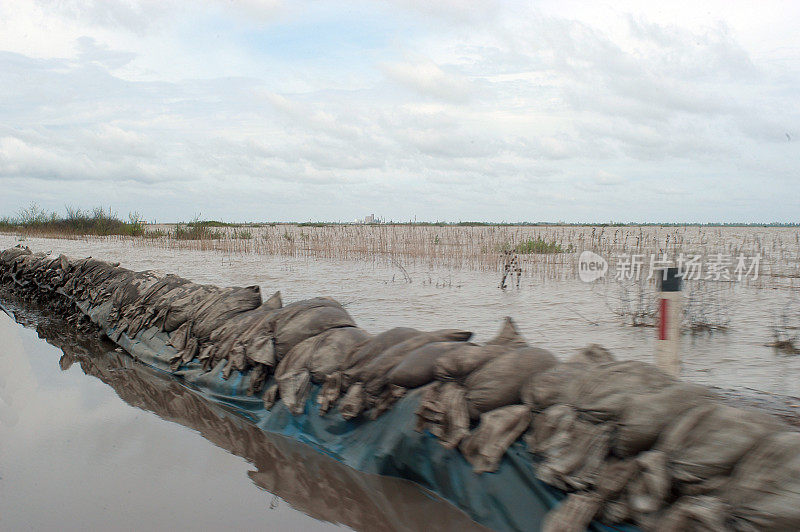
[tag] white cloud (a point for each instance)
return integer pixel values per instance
(429, 79)
(497, 107)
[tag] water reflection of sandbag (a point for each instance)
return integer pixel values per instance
(309, 481)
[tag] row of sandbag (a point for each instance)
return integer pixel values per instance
(635, 444)
(204, 322)
(629, 441)
(313, 340)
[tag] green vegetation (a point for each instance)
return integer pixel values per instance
(313, 224)
(197, 230)
(536, 245)
(214, 223)
(98, 222)
(242, 234)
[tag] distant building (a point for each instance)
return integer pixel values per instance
(369, 219)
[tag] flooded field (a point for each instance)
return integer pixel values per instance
(85, 444)
(482, 247)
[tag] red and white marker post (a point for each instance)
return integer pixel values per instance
(670, 313)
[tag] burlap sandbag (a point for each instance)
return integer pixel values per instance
(419, 366)
(457, 364)
(764, 491)
(375, 374)
(485, 446)
(499, 382)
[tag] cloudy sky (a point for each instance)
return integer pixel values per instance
(445, 110)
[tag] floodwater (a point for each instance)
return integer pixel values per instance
(84, 453)
(84, 458)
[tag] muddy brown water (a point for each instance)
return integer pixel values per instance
(123, 451)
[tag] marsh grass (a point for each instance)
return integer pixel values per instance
(536, 245)
(547, 252)
(34, 220)
(196, 230)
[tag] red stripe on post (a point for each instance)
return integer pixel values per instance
(662, 326)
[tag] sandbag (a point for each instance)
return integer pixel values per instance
(322, 354)
(498, 429)
(458, 363)
(229, 302)
(353, 402)
(419, 366)
(330, 350)
(498, 382)
(592, 354)
(301, 320)
(572, 451)
(508, 335)
(764, 491)
(131, 288)
(8, 256)
(373, 347)
(705, 443)
(549, 388)
(443, 411)
(330, 392)
(293, 390)
(249, 331)
(185, 304)
(646, 415)
(602, 393)
(375, 373)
